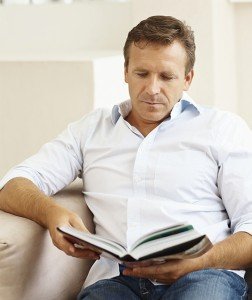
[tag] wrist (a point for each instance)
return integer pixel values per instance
(50, 211)
(205, 261)
(197, 264)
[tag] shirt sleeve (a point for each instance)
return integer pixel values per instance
(58, 162)
(235, 174)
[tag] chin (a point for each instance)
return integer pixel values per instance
(154, 117)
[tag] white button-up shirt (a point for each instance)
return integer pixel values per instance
(194, 167)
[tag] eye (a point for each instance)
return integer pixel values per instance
(166, 78)
(142, 75)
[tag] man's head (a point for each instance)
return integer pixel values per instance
(162, 31)
(159, 57)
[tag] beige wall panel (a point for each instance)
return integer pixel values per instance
(244, 59)
(37, 101)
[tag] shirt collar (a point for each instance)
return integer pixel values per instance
(125, 107)
(122, 109)
(187, 101)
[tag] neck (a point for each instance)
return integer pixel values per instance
(144, 127)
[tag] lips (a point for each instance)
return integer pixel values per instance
(152, 103)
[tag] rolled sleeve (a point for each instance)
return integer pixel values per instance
(14, 173)
(235, 178)
(57, 163)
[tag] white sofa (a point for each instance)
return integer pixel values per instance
(31, 267)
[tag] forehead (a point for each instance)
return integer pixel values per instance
(157, 56)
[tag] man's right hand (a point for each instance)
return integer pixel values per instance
(22, 197)
(58, 216)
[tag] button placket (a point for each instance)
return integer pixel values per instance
(134, 207)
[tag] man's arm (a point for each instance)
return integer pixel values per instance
(235, 252)
(21, 197)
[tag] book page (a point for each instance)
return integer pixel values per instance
(163, 232)
(81, 237)
(200, 248)
(177, 241)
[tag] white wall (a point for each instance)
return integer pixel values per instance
(55, 63)
(41, 90)
(37, 103)
(225, 65)
(222, 42)
(244, 59)
(38, 98)
(51, 28)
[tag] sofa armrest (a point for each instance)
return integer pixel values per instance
(31, 267)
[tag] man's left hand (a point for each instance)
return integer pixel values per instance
(167, 272)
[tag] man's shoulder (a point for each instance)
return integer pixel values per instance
(96, 120)
(226, 127)
(99, 113)
(211, 113)
(220, 116)
(96, 115)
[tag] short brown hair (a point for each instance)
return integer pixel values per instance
(162, 30)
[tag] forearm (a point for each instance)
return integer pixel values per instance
(23, 198)
(233, 253)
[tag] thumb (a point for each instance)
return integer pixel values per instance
(78, 224)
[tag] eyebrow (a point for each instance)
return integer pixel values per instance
(167, 73)
(140, 70)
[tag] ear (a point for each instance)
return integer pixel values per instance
(188, 80)
(126, 74)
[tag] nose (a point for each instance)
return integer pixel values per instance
(153, 86)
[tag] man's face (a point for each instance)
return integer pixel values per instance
(156, 79)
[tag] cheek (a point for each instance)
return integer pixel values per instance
(137, 90)
(174, 90)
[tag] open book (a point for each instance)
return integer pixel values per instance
(174, 242)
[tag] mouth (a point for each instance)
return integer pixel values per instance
(152, 103)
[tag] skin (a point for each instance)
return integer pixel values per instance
(156, 79)
(22, 198)
(233, 253)
(153, 96)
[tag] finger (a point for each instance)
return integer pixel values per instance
(136, 264)
(155, 278)
(63, 244)
(157, 268)
(84, 245)
(129, 272)
(78, 224)
(84, 253)
(71, 250)
(148, 272)
(141, 275)
(140, 271)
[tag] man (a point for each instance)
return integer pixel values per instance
(157, 159)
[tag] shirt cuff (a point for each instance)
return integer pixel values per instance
(246, 227)
(14, 174)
